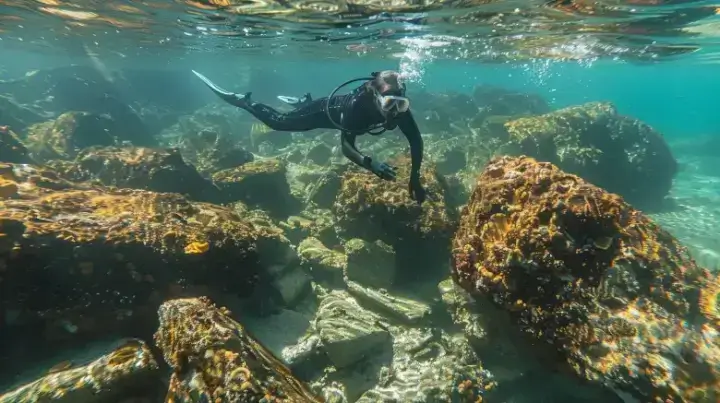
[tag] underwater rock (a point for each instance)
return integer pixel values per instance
(159, 170)
(210, 151)
(348, 333)
(371, 264)
(311, 222)
(430, 366)
(12, 149)
(373, 209)
(324, 192)
(319, 154)
(618, 153)
(582, 270)
(212, 138)
(405, 310)
(324, 263)
(450, 156)
(292, 284)
(116, 376)
(214, 359)
(63, 137)
(494, 101)
(261, 183)
(17, 116)
(80, 260)
(53, 91)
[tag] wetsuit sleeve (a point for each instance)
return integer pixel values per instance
(349, 149)
(409, 127)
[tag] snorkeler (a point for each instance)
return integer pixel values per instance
(379, 103)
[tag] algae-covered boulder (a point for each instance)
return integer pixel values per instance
(373, 209)
(63, 137)
(78, 259)
(159, 170)
(261, 183)
(581, 270)
(114, 377)
(214, 359)
(618, 153)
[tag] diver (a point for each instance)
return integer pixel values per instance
(379, 103)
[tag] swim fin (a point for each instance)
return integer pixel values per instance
(295, 101)
(241, 101)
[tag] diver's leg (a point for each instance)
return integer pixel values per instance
(269, 116)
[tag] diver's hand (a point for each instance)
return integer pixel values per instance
(383, 170)
(417, 192)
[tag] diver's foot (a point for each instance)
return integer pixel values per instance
(242, 100)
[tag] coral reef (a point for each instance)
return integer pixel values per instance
(581, 269)
(214, 359)
(90, 259)
(615, 152)
(159, 170)
(111, 378)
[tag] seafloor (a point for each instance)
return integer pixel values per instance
(173, 250)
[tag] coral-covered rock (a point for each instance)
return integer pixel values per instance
(113, 377)
(215, 360)
(11, 148)
(159, 170)
(373, 209)
(63, 137)
(582, 270)
(261, 183)
(618, 153)
(77, 259)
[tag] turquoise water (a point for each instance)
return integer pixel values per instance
(128, 65)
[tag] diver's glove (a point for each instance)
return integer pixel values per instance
(381, 169)
(417, 192)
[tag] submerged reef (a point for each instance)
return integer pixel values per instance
(618, 153)
(336, 283)
(581, 269)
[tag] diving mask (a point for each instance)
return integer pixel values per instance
(390, 102)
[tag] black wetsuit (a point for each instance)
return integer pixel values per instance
(356, 112)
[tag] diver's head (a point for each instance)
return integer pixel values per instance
(389, 91)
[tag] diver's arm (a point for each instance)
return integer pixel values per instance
(409, 127)
(351, 152)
